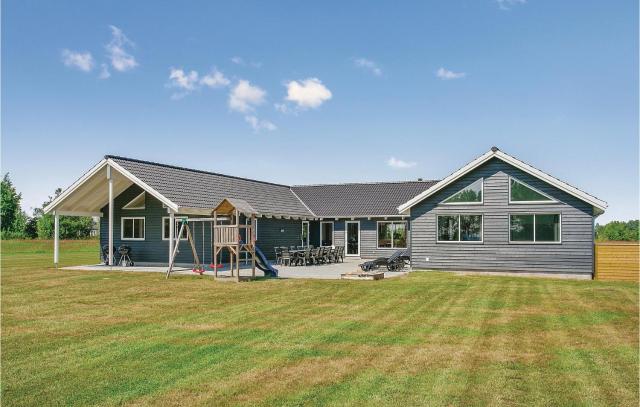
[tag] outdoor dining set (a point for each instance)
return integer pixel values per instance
(308, 255)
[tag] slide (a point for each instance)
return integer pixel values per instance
(263, 264)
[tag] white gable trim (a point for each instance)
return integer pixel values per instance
(597, 203)
(143, 185)
(75, 186)
(121, 170)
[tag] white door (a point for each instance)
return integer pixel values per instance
(352, 238)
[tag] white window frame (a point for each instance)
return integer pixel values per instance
(534, 189)
(308, 231)
(534, 228)
(176, 229)
(467, 203)
(127, 207)
(459, 241)
(333, 233)
(346, 242)
(406, 229)
(144, 227)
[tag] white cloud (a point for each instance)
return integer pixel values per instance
(446, 74)
(307, 93)
(215, 79)
(369, 65)
(245, 97)
(178, 78)
(104, 72)
(237, 60)
(79, 60)
(121, 60)
(257, 125)
(507, 4)
(400, 164)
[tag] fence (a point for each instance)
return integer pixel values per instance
(617, 261)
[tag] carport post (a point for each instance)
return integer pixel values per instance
(110, 232)
(56, 238)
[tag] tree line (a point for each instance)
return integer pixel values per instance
(16, 224)
(618, 231)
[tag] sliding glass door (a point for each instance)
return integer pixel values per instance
(352, 238)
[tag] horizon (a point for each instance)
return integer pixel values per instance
(366, 94)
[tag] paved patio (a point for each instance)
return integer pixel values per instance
(323, 271)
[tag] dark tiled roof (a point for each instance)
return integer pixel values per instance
(359, 199)
(201, 189)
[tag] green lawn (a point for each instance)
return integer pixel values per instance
(76, 338)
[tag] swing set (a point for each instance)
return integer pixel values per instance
(237, 238)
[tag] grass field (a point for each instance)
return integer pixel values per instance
(77, 338)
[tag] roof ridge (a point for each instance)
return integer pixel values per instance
(366, 183)
(177, 167)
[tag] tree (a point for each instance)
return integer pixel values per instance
(620, 231)
(9, 205)
(71, 227)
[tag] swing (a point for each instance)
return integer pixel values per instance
(197, 266)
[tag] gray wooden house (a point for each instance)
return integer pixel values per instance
(496, 213)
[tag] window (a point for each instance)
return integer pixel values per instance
(132, 228)
(136, 203)
(459, 228)
(534, 228)
(519, 192)
(392, 235)
(176, 230)
(326, 233)
(471, 194)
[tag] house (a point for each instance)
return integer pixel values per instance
(496, 213)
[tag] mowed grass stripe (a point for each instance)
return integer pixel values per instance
(78, 338)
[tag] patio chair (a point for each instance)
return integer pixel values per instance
(332, 255)
(104, 254)
(278, 251)
(286, 257)
(340, 254)
(314, 255)
(305, 257)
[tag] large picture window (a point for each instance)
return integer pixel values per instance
(519, 192)
(165, 228)
(392, 235)
(459, 228)
(326, 233)
(534, 228)
(132, 228)
(471, 194)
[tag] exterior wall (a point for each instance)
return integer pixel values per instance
(278, 232)
(573, 255)
(368, 235)
(155, 250)
(152, 249)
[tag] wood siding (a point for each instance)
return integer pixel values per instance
(618, 261)
(573, 255)
(278, 232)
(154, 250)
(368, 235)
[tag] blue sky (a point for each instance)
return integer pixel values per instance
(295, 92)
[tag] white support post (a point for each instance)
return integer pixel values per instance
(110, 231)
(56, 238)
(172, 232)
